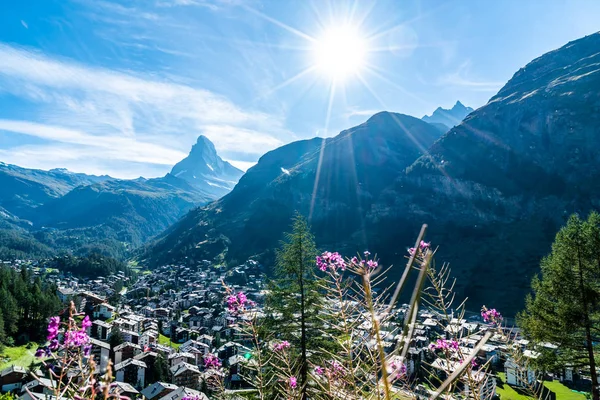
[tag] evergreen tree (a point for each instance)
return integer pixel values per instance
(116, 337)
(294, 301)
(160, 370)
(565, 306)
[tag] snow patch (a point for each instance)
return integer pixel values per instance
(285, 171)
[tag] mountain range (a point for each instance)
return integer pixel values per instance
(44, 211)
(446, 119)
(494, 189)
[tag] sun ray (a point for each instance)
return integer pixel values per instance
(374, 70)
(421, 16)
(422, 148)
(318, 174)
(289, 81)
(280, 24)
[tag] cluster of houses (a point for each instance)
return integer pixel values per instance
(169, 320)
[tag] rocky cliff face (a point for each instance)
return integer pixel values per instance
(335, 181)
(205, 170)
(494, 189)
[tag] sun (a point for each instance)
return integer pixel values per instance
(340, 52)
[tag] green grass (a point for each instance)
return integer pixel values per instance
(19, 355)
(562, 392)
(506, 392)
(162, 339)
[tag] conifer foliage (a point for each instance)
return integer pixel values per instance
(294, 301)
(25, 305)
(565, 306)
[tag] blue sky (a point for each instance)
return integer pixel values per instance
(125, 87)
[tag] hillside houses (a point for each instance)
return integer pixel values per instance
(169, 321)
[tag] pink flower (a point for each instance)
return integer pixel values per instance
(237, 302)
(443, 344)
(76, 338)
(329, 260)
(372, 264)
(411, 251)
(398, 369)
(211, 361)
(491, 315)
(367, 253)
(86, 323)
(53, 327)
(293, 382)
(319, 370)
(423, 245)
(284, 345)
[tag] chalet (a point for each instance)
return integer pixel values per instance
(517, 375)
(43, 386)
(131, 336)
(158, 390)
(126, 351)
(103, 311)
(11, 378)
(123, 389)
(101, 330)
(131, 371)
(182, 392)
(187, 375)
(177, 358)
(100, 353)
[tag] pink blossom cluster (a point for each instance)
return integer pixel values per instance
(331, 260)
(53, 327)
(473, 362)
(443, 344)
(365, 263)
(293, 382)
(422, 246)
(281, 346)
(491, 315)
(334, 371)
(72, 338)
(211, 361)
(237, 302)
(398, 369)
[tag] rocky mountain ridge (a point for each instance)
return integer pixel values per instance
(73, 211)
(494, 189)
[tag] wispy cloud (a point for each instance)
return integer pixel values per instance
(356, 112)
(127, 115)
(463, 77)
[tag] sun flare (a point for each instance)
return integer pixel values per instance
(341, 52)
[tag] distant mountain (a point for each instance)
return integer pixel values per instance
(448, 118)
(205, 170)
(24, 189)
(494, 189)
(334, 180)
(78, 212)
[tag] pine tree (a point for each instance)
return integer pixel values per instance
(160, 369)
(294, 302)
(565, 306)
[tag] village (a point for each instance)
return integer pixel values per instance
(169, 319)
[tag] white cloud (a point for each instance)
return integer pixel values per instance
(243, 165)
(106, 146)
(463, 77)
(127, 114)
